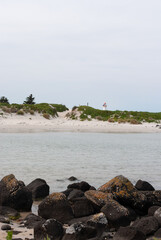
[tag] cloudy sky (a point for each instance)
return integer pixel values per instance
(78, 51)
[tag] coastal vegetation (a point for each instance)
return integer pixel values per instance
(45, 109)
(78, 112)
(133, 117)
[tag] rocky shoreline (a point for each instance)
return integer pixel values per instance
(117, 210)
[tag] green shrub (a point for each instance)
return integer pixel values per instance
(9, 235)
(60, 107)
(32, 112)
(74, 108)
(20, 112)
(46, 115)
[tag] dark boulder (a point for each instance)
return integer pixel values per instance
(157, 215)
(124, 191)
(116, 214)
(75, 193)
(31, 220)
(15, 194)
(67, 191)
(82, 207)
(147, 225)
(79, 231)
(152, 210)
(98, 198)
(72, 179)
(39, 188)
(56, 206)
(50, 228)
(153, 197)
(129, 233)
(9, 212)
(83, 186)
(6, 227)
(144, 186)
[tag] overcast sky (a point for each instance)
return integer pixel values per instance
(78, 51)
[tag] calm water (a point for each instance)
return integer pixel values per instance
(93, 157)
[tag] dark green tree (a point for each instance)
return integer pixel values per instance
(4, 100)
(29, 100)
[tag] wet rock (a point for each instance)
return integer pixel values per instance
(56, 206)
(32, 220)
(153, 197)
(98, 198)
(124, 191)
(4, 220)
(129, 233)
(147, 225)
(39, 188)
(144, 186)
(67, 191)
(72, 179)
(152, 210)
(116, 214)
(6, 227)
(157, 215)
(82, 207)
(50, 228)
(9, 213)
(83, 186)
(75, 193)
(79, 231)
(14, 194)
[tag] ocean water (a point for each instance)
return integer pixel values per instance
(92, 157)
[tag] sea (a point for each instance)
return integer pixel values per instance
(92, 157)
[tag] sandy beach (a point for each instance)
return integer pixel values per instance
(37, 123)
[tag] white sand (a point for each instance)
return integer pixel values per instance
(37, 123)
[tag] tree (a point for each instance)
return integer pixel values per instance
(29, 100)
(4, 100)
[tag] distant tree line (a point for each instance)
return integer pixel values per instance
(29, 100)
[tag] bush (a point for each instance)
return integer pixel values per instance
(46, 115)
(134, 121)
(99, 118)
(32, 112)
(111, 120)
(29, 100)
(6, 109)
(120, 120)
(20, 112)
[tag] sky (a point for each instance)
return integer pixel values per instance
(82, 51)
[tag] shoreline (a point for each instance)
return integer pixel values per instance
(12, 123)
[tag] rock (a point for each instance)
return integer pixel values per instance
(9, 212)
(158, 233)
(129, 233)
(75, 193)
(144, 186)
(153, 197)
(83, 186)
(82, 207)
(6, 227)
(116, 214)
(67, 191)
(4, 220)
(50, 228)
(72, 178)
(14, 194)
(124, 191)
(32, 220)
(98, 198)
(157, 215)
(79, 231)
(152, 210)
(56, 206)
(147, 225)
(39, 188)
